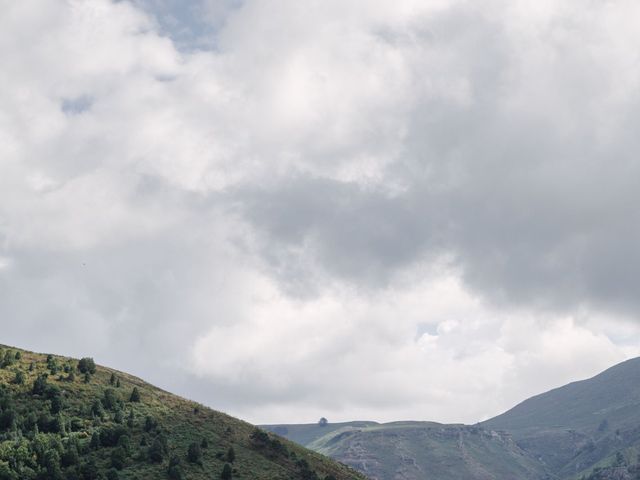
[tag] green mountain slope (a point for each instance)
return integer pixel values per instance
(64, 419)
(578, 426)
(422, 450)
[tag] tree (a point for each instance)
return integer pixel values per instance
(18, 356)
(109, 399)
(39, 385)
(9, 358)
(112, 380)
(156, 451)
(226, 472)
(323, 422)
(175, 469)
(19, 378)
(113, 474)
(231, 455)
(95, 441)
(87, 365)
(194, 453)
(135, 395)
(118, 458)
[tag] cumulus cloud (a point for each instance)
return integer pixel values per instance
(290, 209)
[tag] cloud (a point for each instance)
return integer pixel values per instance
(398, 210)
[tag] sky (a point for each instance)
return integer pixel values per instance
(288, 209)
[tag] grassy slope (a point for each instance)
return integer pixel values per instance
(418, 450)
(180, 420)
(566, 427)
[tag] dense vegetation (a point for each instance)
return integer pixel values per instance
(67, 419)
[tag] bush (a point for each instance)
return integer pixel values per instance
(87, 365)
(231, 455)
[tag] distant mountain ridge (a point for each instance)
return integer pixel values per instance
(588, 428)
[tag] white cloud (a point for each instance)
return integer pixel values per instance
(396, 210)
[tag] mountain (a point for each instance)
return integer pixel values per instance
(580, 425)
(62, 418)
(589, 429)
(419, 450)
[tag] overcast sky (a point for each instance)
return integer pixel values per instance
(357, 209)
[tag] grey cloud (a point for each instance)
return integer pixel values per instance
(535, 205)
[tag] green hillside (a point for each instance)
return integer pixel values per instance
(62, 418)
(580, 425)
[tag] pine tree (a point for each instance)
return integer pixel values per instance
(226, 472)
(135, 395)
(231, 455)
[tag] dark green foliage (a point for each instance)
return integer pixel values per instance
(87, 377)
(110, 399)
(95, 441)
(8, 359)
(226, 472)
(87, 365)
(18, 355)
(19, 378)
(118, 417)
(113, 474)
(150, 424)
(323, 422)
(204, 443)
(156, 451)
(118, 458)
(194, 453)
(231, 455)
(135, 395)
(175, 471)
(112, 379)
(39, 385)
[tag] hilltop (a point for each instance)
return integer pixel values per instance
(587, 429)
(63, 418)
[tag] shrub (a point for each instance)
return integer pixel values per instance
(87, 365)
